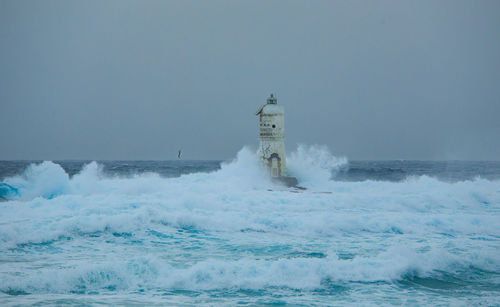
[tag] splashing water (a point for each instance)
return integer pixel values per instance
(314, 165)
(229, 236)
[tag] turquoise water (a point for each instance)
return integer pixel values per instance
(206, 233)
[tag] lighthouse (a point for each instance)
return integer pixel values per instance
(272, 152)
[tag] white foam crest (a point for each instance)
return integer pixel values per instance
(417, 206)
(87, 181)
(91, 180)
(243, 172)
(230, 199)
(49, 180)
(313, 165)
(45, 179)
(298, 273)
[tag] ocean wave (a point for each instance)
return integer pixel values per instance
(234, 229)
(464, 210)
(52, 205)
(150, 273)
(314, 166)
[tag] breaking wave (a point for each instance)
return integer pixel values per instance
(297, 273)
(232, 228)
(314, 165)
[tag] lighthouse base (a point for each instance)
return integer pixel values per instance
(286, 181)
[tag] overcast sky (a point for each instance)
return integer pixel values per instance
(141, 79)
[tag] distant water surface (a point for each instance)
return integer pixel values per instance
(394, 170)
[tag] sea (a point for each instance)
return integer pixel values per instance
(221, 233)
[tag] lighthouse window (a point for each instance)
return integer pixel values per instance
(274, 126)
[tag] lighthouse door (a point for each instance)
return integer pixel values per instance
(274, 167)
(274, 162)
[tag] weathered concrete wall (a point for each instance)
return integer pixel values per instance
(272, 138)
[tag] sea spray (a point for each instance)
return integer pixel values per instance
(230, 235)
(45, 179)
(314, 165)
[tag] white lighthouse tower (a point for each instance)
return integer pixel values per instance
(272, 140)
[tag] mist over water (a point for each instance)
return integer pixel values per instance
(187, 232)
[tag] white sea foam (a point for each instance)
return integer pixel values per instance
(388, 230)
(313, 165)
(46, 179)
(299, 273)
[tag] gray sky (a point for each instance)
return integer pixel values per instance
(141, 79)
